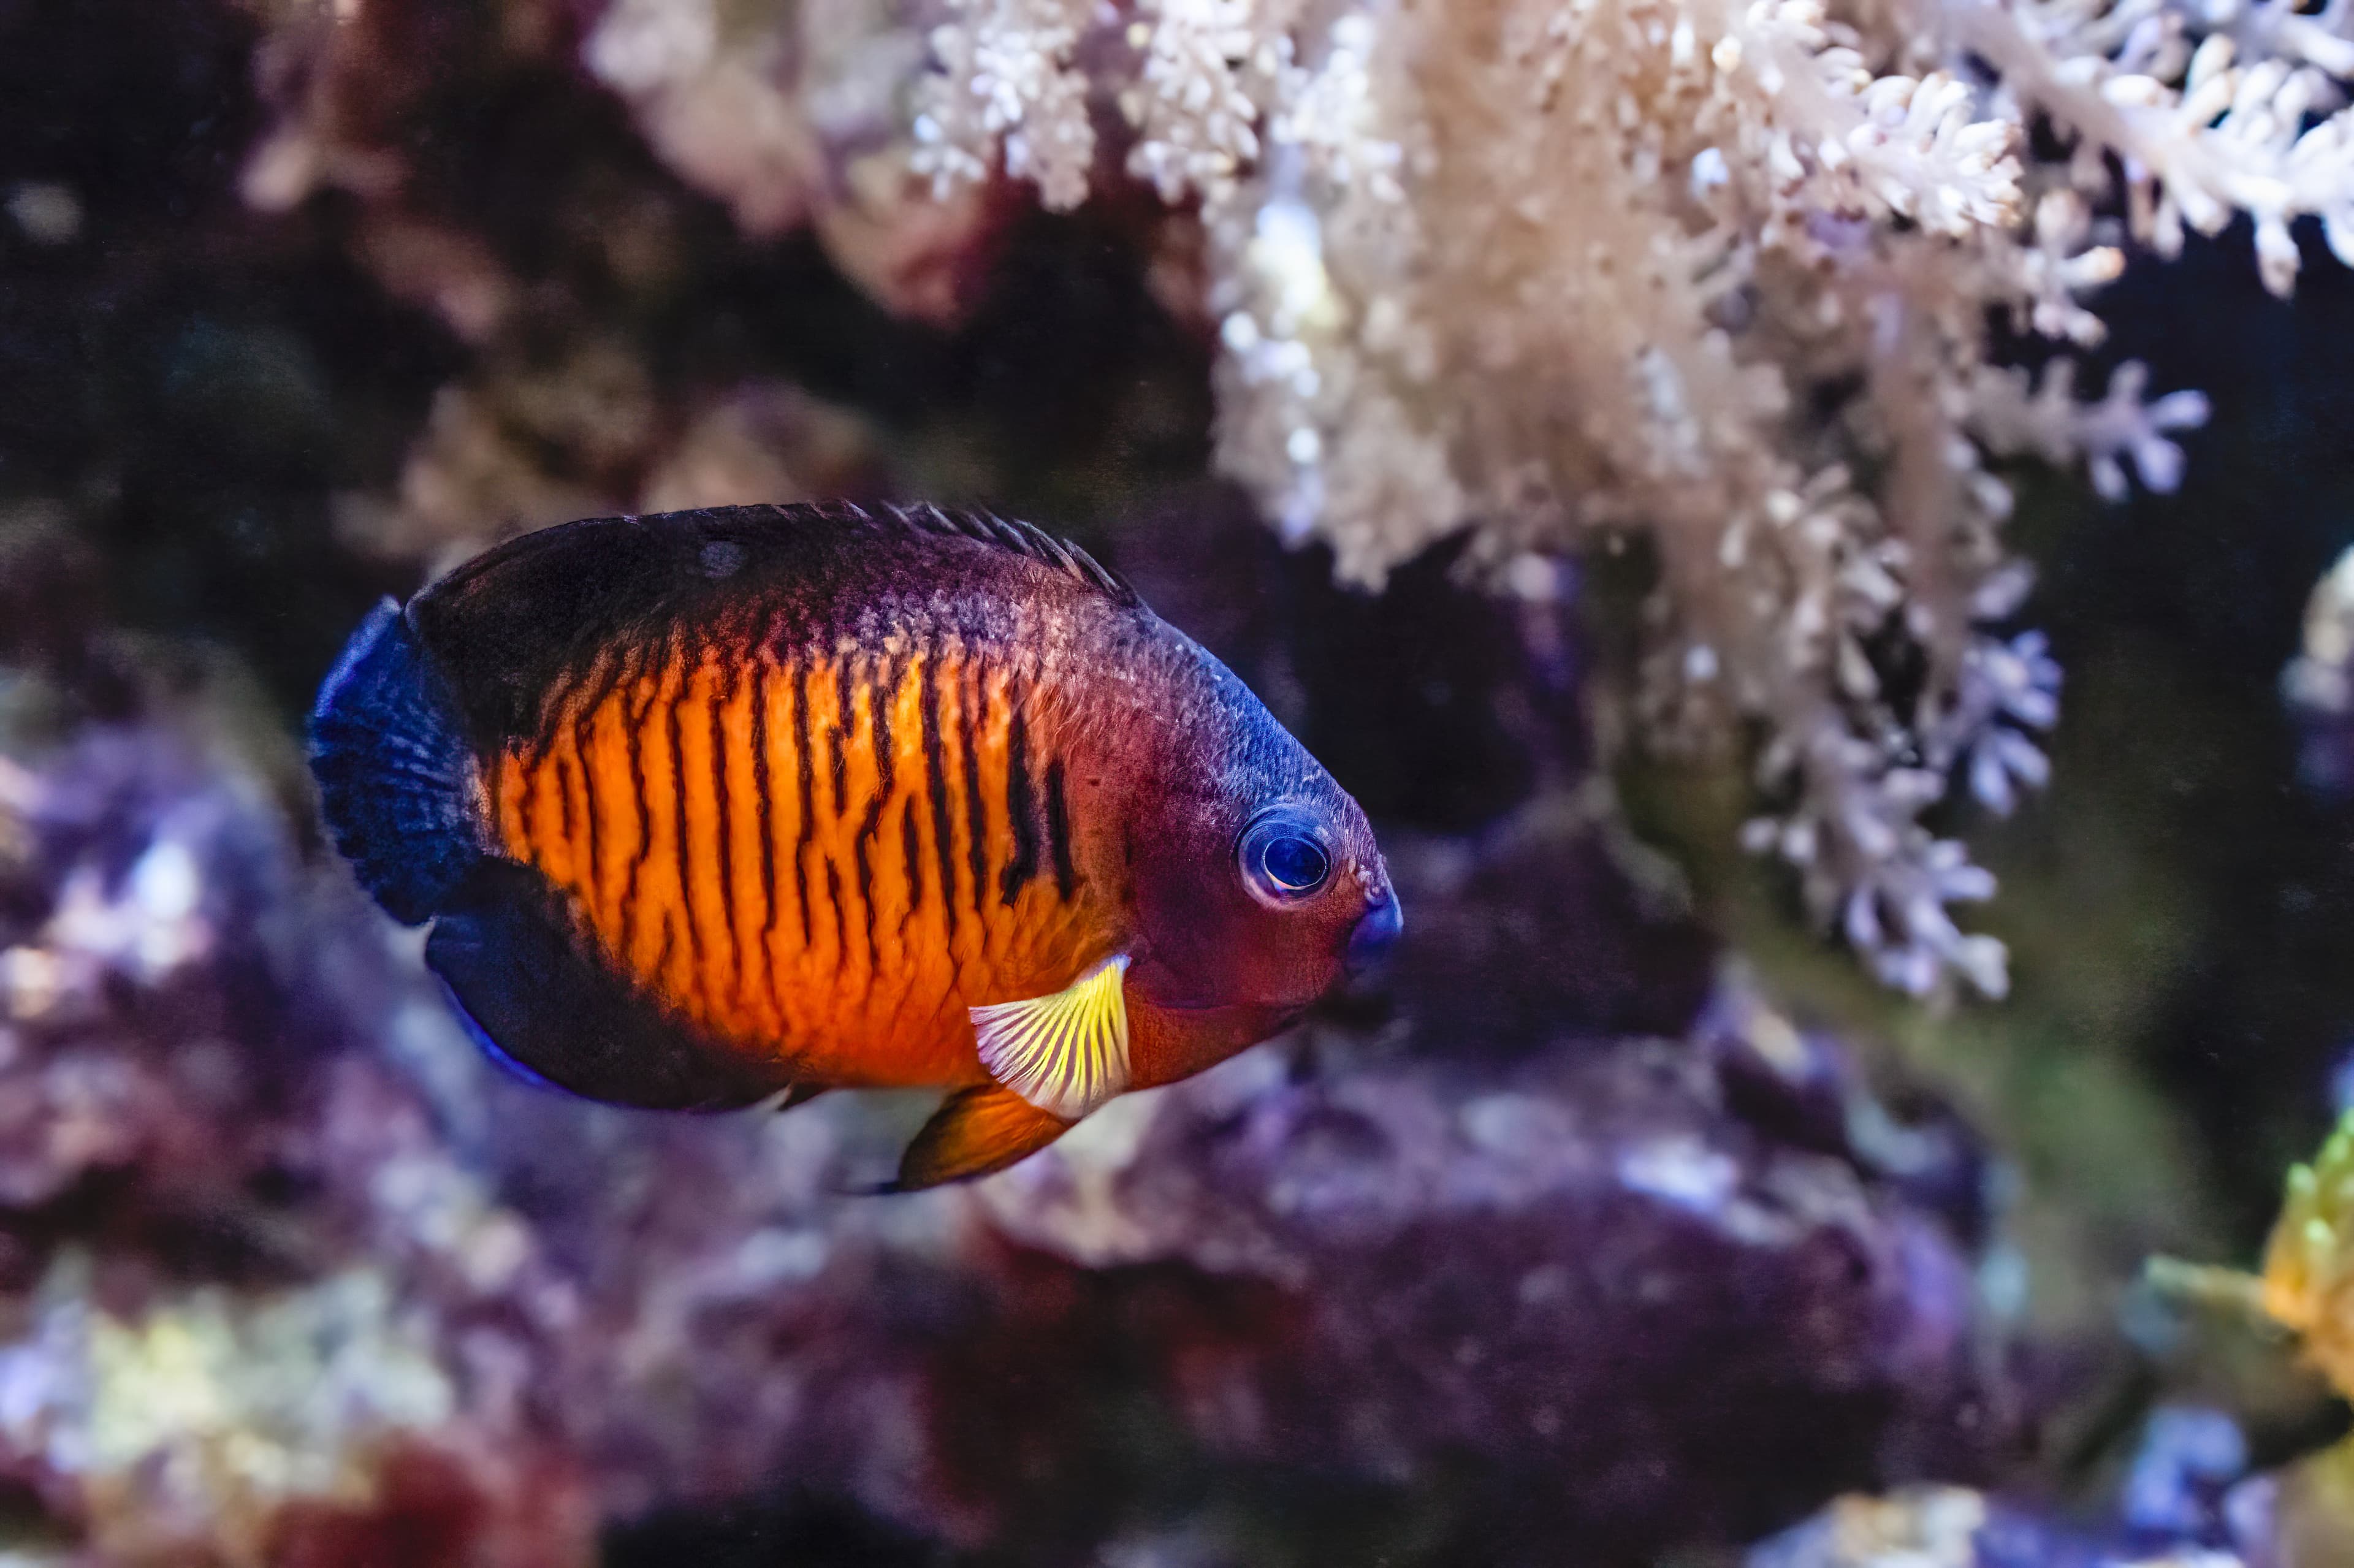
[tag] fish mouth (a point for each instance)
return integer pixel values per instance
(1376, 932)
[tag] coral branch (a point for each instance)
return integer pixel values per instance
(1560, 273)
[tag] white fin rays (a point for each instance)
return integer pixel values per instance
(1064, 1054)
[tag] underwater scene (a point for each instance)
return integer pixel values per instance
(1176, 783)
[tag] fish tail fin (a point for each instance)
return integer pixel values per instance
(984, 1128)
(399, 782)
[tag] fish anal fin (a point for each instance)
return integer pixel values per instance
(519, 967)
(791, 1095)
(1066, 1054)
(978, 1129)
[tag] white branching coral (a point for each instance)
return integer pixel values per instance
(1017, 89)
(1718, 274)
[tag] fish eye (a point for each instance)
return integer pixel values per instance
(1283, 858)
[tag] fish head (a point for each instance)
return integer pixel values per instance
(1260, 891)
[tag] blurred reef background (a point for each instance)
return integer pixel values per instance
(1649, 1212)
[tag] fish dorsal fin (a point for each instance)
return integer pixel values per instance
(1064, 1054)
(526, 626)
(1021, 538)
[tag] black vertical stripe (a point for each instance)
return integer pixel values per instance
(1058, 830)
(723, 842)
(881, 695)
(937, 778)
(881, 698)
(976, 810)
(762, 956)
(662, 954)
(911, 849)
(1021, 807)
(846, 693)
(563, 797)
(632, 724)
(583, 747)
(862, 860)
(840, 924)
(803, 767)
(684, 852)
(845, 735)
(760, 797)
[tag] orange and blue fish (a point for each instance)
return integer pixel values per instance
(714, 807)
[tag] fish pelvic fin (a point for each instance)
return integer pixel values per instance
(792, 1095)
(976, 1130)
(1064, 1054)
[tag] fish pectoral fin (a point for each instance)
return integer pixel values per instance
(1054, 1058)
(976, 1130)
(791, 1095)
(1064, 1054)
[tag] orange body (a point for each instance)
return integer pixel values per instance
(824, 862)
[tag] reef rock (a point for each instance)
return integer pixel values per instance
(1602, 1277)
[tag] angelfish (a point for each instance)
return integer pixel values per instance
(714, 807)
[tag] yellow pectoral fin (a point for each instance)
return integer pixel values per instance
(978, 1130)
(1066, 1054)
